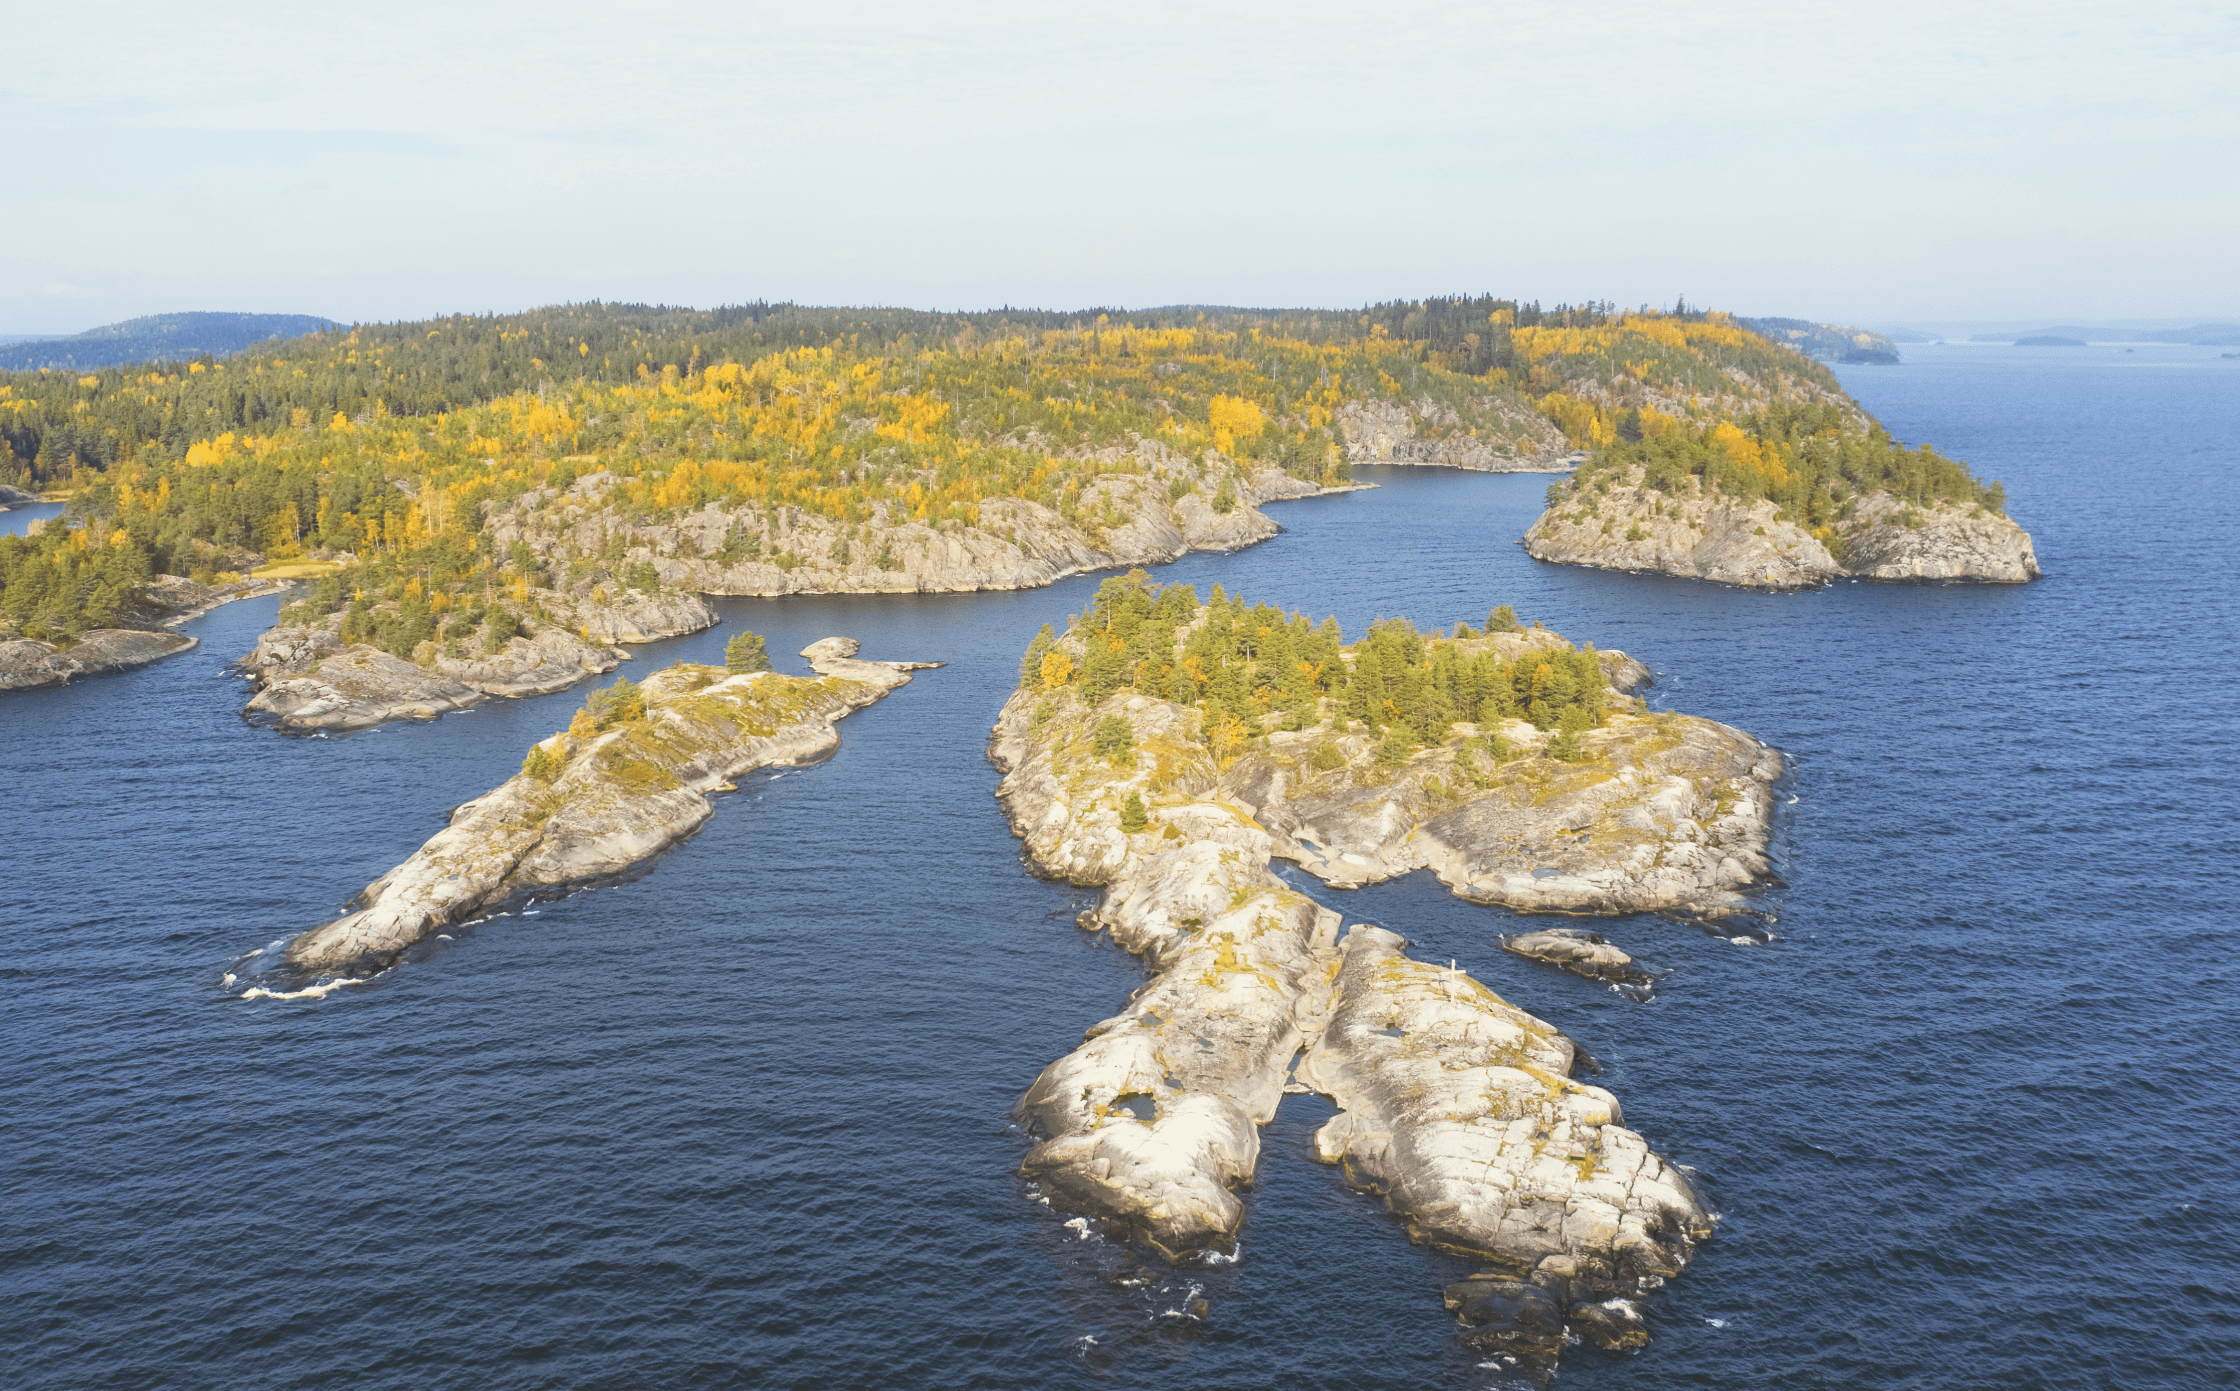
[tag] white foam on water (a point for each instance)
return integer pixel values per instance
(1079, 1226)
(309, 992)
(443, 936)
(230, 978)
(1216, 1258)
(1716, 1323)
(1744, 941)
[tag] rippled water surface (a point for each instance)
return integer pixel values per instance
(744, 1122)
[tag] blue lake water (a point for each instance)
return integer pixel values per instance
(1970, 1120)
(15, 521)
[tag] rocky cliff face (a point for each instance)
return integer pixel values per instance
(1944, 543)
(1457, 1107)
(1709, 536)
(308, 678)
(602, 802)
(1388, 432)
(25, 663)
(1695, 537)
(1154, 506)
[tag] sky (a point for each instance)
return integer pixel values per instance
(1862, 164)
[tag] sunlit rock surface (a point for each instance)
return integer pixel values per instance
(607, 801)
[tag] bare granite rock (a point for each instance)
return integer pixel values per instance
(164, 602)
(1457, 1108)
(1388, 432)
(1155, 506)
(1696, 535)
(25, 662)
(1943, 543)
(602, 803)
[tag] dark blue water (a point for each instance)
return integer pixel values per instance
(744, 1122)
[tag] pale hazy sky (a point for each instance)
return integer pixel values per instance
(1866, 163)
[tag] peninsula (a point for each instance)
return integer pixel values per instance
(1168, 751)
(1765, 475)
(631, 776)
(133, 621)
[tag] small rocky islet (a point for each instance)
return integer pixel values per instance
(1457, 1108)
(632, 775)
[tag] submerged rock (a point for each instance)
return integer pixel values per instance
(590, 808)
(1580, 953)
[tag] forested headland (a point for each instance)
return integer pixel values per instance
(1779, 429)
(384, 452)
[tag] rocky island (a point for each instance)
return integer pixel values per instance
(1168, 751)
(631, 776)
(1763, 474)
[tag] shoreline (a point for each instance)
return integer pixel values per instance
(597, 803)
(30, 664)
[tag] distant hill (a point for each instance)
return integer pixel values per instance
(2048, 340)
(2200, 335)
(172, 337)
(1828, 342)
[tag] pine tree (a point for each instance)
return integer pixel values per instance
(746, 652)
